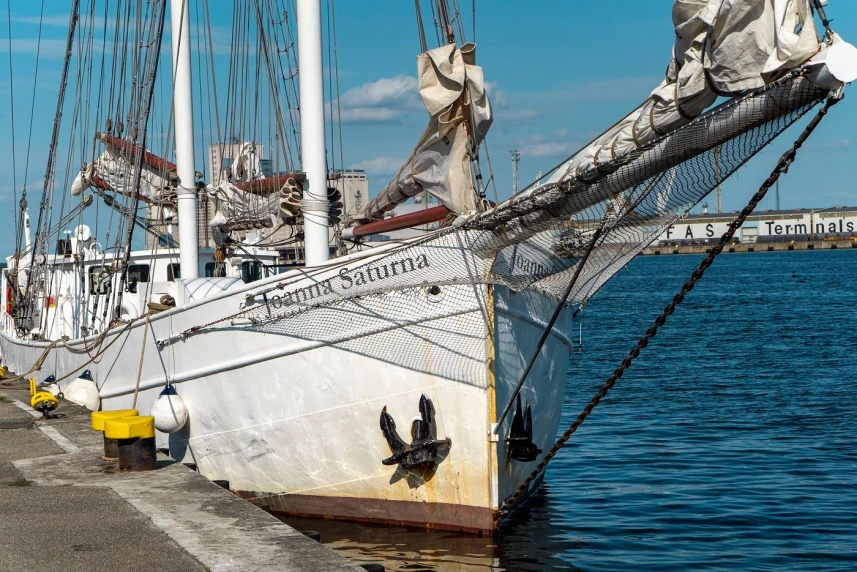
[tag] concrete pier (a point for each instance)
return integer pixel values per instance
(63, 508)
(677, 248)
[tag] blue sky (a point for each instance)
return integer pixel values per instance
(560, 73)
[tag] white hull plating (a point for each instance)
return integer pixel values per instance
(291, 408)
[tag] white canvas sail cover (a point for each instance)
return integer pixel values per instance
(452, 88)
(112, 168)
(236, 208)
(722, 47)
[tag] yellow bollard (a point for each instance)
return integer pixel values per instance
(136, 438)
(98, 418)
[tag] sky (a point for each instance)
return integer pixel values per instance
(559, 73)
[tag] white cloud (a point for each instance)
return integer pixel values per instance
(380, 166)
(370, 115)
(549, 149)
(386, 91)
(60, 20)
(836, 145)
(48, 48)
(515, 114)
(496, 96)
(382, 101)
(554, 144)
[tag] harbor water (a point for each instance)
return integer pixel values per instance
(730, 444)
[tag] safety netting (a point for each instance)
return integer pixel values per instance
(537, 240)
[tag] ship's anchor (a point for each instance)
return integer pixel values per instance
(422, 452)
(519, 444)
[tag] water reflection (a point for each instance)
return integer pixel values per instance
(527, 543)
(402, 549)
(728, 445)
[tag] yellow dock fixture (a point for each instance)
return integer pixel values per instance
(136, 439)
(42, 401)
(2, 372)
(98, 418)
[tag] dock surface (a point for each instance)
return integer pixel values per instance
(63, 508)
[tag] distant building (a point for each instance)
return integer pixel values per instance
(764, 226)
(354, 186)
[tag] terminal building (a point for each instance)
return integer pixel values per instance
(765, 226)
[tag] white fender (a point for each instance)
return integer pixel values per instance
(169, 411)
(83, 391)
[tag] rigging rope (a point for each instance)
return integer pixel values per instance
(781, 168)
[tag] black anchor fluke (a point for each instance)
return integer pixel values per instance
(519, 444)
(422, 451)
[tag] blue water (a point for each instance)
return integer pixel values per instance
(731, 444)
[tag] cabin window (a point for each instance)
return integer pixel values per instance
(137, 273)
(99, 280)
(174, 271)
(215, 269)
(251, 271)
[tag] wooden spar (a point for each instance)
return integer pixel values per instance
(426, 216)
(150, 159)
(100, 183)
(271, 184)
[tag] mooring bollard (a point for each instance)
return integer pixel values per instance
(98, 418)
(136, 438)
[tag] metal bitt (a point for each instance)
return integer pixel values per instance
(422, 452)
(519, 444)
(135, 437)
(99, 418)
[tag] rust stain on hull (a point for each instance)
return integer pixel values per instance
(429, 516)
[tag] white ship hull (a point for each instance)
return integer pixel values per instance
(290, 410)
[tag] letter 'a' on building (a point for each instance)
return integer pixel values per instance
(794, 224)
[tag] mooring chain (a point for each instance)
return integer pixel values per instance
(782, 167)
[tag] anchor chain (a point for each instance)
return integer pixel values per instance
(782, 167)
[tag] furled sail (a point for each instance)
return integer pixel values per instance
(112, 171)
(243, 200)
(722, 47)
(238, 209)
(452, 88)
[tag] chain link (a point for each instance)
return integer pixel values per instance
(782, 167)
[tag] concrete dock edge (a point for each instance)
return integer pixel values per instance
(57, 463)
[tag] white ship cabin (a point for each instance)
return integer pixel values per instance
(83, 279)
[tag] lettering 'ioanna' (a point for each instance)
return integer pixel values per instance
(346, 279)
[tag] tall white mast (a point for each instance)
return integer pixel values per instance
(315, 203)
(183, 113)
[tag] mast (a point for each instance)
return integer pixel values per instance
(516, 180)
(183, 113)
(315, 203)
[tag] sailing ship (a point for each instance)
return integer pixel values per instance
(291, 384)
